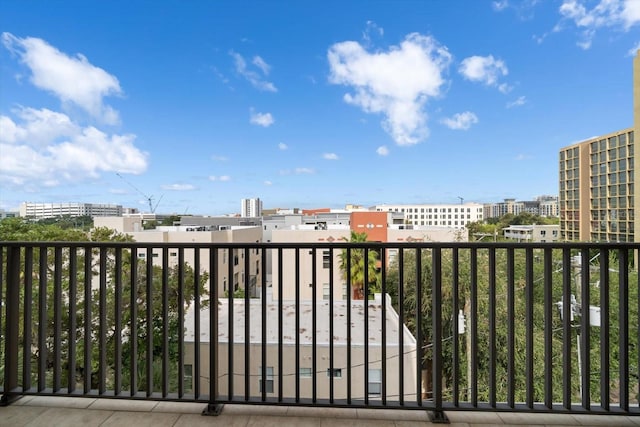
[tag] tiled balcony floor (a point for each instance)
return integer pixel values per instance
(35, 411)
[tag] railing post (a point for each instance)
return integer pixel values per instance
(11, 327)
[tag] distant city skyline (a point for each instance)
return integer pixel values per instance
(191, 107)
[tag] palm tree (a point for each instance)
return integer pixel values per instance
(357, 267)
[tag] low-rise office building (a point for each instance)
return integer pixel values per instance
(301, 338)
(53, 210)
(532, 233)
(438, 215)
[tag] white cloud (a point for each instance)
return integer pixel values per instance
(252, 76)
(118, 191)
(178, 187)
(72, 79)
(500, 5)
(261, 119)
(372, 28)
(460, 121)
(617, 14)
(486, 70)
(282, 146)
(396, 83)
(219, 158)
(260, 63)
(304, 171)
(521, 100)
(382, 151)
(267, 183)
(46, 147)
(634, 50)
(521, 157)
(221, 178)
(297, 171)
(330, 156)
(40, 127)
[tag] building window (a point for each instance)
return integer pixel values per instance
(188, 377)
(173, 253)
(141, 255)
(325, 291)
(344, 292)
(374, 387)
(337, 373)
(269, 379)
(305, 373)
(326, 259)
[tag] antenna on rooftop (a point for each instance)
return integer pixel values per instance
(461, 200)
(149, 199)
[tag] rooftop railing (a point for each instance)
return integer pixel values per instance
(544, 327)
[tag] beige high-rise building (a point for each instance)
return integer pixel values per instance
(597, 183)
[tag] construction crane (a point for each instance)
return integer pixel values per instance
(461, 200)
(149, 199)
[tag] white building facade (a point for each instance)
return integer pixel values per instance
(52, 210)
(251, 208)
(438, 215)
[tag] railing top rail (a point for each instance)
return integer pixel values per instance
(319, 245)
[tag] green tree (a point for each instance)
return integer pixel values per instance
(358, 266)
(69, 296)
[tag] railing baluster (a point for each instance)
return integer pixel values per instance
(383, 320)
(492, 327)
(247, 330)
(43, 321)
(11, 344)
(28, 319)
(133, 338)
(181, 325)
(213, 325)
(263, 297)
(230, 324)
(297, 319)
(566, 328)
(419, 336)
(436, 314)
(314, 325)
(455, 295)
(349, 304)
(473, 327)
(57, 318)
(401, 326)
(365, 257)
(605, 395)
(331, 302)
(197, 374)
(585, 334)
(165, 321)
(117, 333)
(530, 375)
(102, 322)
(149, 320)
(88, 319)
(548, 328)
(511, 368)
(280, 325)
(623, 280)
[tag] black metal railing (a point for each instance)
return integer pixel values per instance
(433, 326)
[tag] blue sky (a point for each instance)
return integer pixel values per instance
(304, 104)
